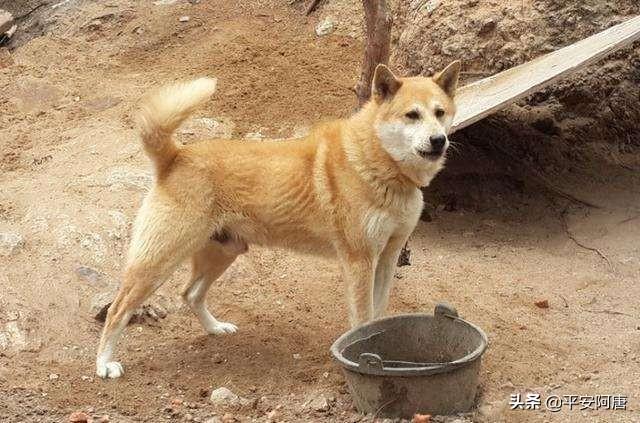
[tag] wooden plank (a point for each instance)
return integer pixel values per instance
(482, 98)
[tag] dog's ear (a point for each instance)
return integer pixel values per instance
(448, 78)
(385, 84)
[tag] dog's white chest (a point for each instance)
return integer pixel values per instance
(381, 223)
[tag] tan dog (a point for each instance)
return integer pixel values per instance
(351, 189)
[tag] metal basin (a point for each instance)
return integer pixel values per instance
(413, 363)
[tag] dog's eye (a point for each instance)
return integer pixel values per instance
(439, 113)
(413, 115)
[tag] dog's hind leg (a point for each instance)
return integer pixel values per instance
(162, 238)
(207, 266)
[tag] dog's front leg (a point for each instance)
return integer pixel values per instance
(384, 273)
(358, 272)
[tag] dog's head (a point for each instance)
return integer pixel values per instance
(413, 117)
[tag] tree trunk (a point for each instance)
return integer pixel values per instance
(378, 21)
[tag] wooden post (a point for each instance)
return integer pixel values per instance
(378, 22)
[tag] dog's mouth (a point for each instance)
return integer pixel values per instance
(432, 154)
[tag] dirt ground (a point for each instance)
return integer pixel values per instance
(504, 228)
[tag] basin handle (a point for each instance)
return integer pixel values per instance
(370, 361)
(445, 310)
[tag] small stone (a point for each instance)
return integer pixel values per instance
(296, 356)
(164, 2)
(431, 6)
(488, 26)
(184, 18)
(223, 396)
(88, 274)
(101, 419)
(159, 311)
(94, 24)
(273, 415)
(319, 403)
(13, 336)
(10, 242)
(228, 418)
(254, 135)
(79, 417)
(218, 358)
(53, 376)
(542, 303)
(188, 417)
(325, 27)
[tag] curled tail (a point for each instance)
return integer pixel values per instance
(163, 111)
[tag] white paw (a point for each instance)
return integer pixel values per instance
(222, 328)
(110, 370)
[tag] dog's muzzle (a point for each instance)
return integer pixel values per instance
(438, 143)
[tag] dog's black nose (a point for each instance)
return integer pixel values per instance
(437, 142)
